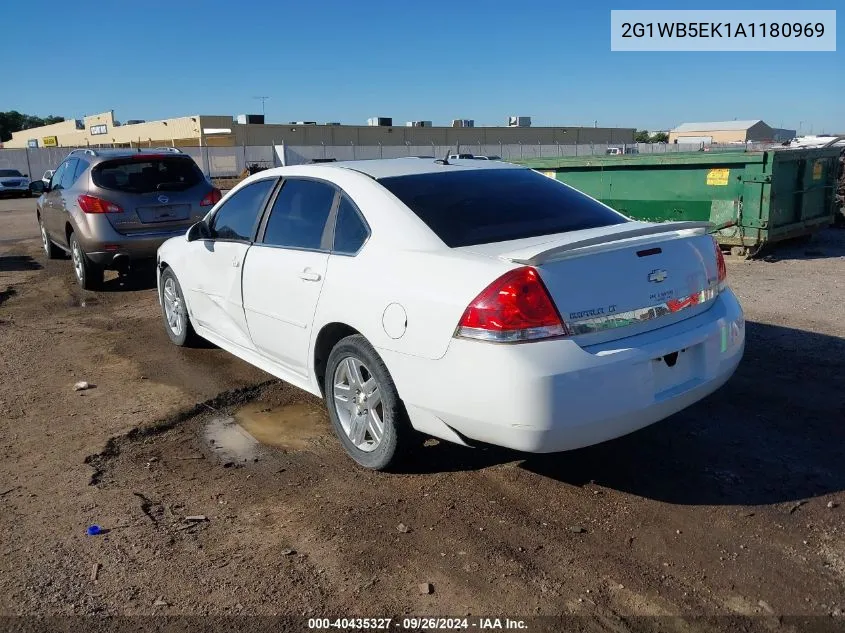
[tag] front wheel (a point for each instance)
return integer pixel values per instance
(174, 311)
(364, 406)
(88, 274)
(51, 250)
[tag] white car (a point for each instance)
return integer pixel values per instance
(474, 302)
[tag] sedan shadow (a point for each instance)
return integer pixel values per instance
(140, 278)
(774, 433)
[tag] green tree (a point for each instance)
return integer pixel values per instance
(641, 136)
(14, 121)
(660, 137)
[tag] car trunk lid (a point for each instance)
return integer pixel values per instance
(617, 281)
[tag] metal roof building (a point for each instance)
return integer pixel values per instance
(728, 132)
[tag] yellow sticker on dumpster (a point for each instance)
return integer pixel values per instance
(817, 170)
(718, 177)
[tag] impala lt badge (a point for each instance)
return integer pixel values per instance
(657, 276)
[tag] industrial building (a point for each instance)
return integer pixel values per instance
(102, 130)
(729, 132)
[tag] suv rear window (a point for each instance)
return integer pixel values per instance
(147, 174)
(481, 206)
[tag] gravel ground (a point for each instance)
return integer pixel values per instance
(730, 508)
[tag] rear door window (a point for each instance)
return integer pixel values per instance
(81, 166)
(481, 206)
(299, 214)
(147, 174)
(236, 219)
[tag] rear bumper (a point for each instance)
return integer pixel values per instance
(554, 395)
(108, 248)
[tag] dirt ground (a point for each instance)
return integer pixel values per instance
(732, 507)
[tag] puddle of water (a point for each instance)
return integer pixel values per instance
(239, 438)
(290, 426)
(229, 441)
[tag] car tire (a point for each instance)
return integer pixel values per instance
(367, 447)
(51, 250)
(174, 310)
(87, 273)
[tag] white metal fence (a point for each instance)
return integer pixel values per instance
(231, 161)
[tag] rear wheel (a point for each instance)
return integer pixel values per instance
(51, 250)
(364, 406)
(174, 311)
(88, 274)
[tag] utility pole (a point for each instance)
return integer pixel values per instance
(263, 99)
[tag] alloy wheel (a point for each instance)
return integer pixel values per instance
(174, 307)
(357, 402)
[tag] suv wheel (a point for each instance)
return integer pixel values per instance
(88, 274)
(51, 250)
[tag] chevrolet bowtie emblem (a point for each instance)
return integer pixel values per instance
(657, 276)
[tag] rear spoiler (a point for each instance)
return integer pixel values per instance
(563, 251)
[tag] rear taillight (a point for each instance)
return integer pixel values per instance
(212, 198)
(720, 264)
(515, 307)
(92, 204)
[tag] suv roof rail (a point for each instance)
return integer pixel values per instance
(88, 151)
(172, 150)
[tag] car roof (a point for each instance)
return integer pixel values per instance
(390, 167)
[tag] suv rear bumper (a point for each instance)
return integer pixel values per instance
(127, 248)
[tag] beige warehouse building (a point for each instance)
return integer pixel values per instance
(220, 130)
(728, 132)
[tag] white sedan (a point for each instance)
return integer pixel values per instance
(472, 301)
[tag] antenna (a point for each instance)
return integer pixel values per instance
(263, 99)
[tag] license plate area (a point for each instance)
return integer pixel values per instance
(672, 372)
(164, 213)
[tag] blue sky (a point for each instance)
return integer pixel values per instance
(335, 60)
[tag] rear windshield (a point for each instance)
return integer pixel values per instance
(481, 206)
(148, 174)
(10, 172)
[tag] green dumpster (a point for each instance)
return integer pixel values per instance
(758, 197)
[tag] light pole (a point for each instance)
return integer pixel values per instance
(263, 99)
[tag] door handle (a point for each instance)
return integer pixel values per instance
(309, 276)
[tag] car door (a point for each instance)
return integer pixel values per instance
(66, 203)
(213, 277)
(285, 269)
(51, 207)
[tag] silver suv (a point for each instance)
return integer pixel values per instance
(110, 208)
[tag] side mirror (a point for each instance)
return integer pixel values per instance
(38, 187)
(199, 231)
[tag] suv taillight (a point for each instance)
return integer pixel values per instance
(92, 204)
(516, 307)
(212, 198)
(721, 269)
